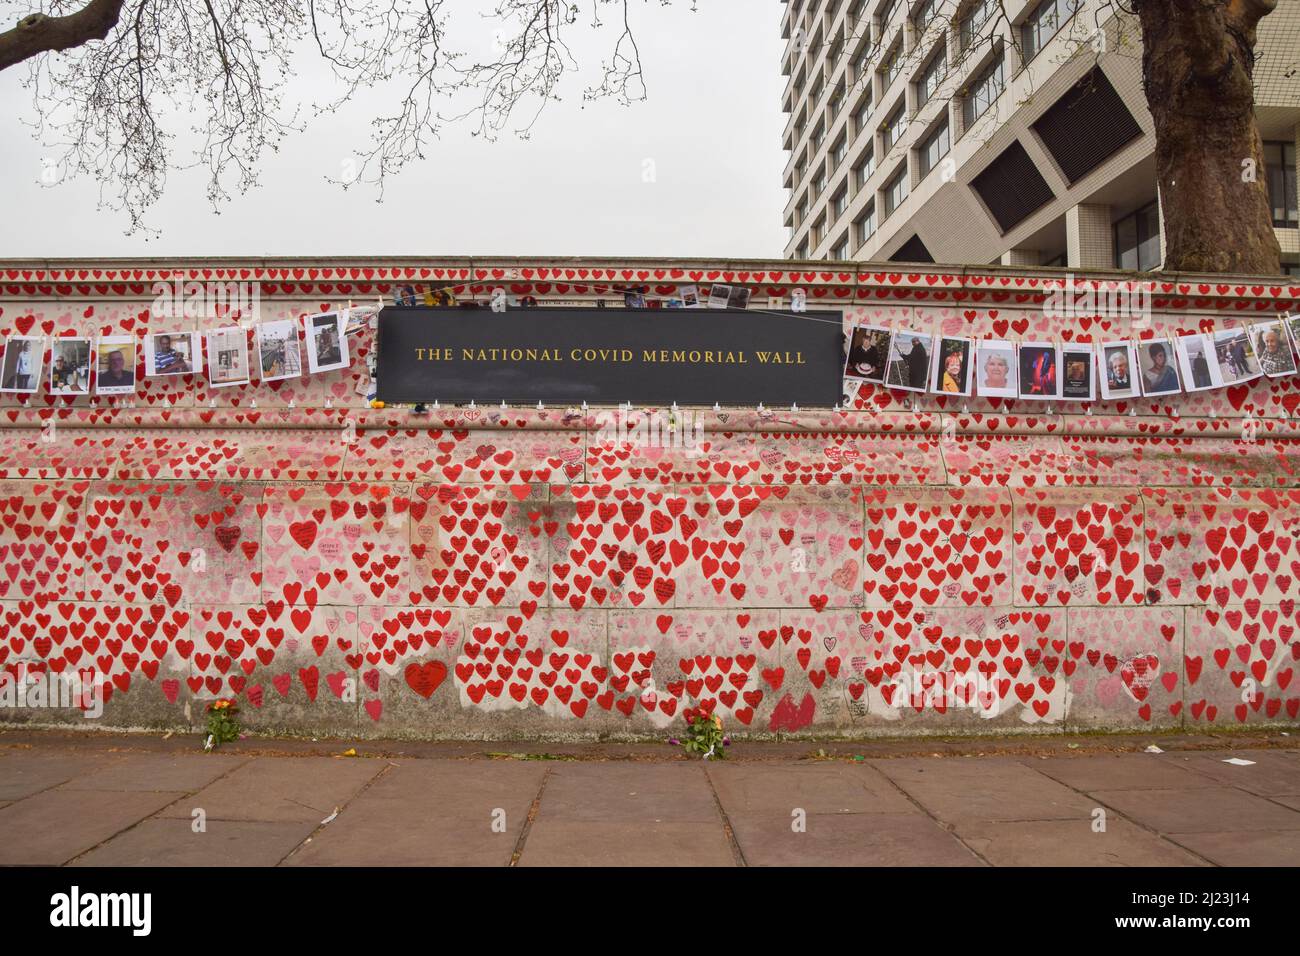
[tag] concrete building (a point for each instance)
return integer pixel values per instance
(978, 131)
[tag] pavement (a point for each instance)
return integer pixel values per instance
(92, 800)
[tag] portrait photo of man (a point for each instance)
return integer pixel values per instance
(1273, 349)
(115, 366)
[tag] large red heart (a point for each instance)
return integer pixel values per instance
(425, 678)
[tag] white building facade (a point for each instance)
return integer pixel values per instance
(1013, 132)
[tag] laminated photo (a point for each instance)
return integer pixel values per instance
(952, 372)
(20, 369)
(172, 353)
(1078, 383)
(1159, 368)
(868, 354)
(1236, 354)
(1198, 362)
(228, 357)
(1273, 348)
(996, 369)
(910, 358)
(115, 365)
(327, 345)
(1117, 363)
(1040, 370)
(278, 355)
(70, 367)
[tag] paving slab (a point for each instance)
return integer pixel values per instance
(1291, 800)
(983, 788)
(814, 788)
(626, 843)
(50, 828)
(1204, 810)
(856, 839)
(632, 814)
(1119, 772)
(430, 813)
(1245, 847)
(172, 842)
(155, 772)
(628, 792)
(23, 773)
(282, 789)
(1071, 843)
(1273, 772)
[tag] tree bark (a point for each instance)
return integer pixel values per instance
(38, 33)
(1198, 65)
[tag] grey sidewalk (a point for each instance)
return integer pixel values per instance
(97, 805)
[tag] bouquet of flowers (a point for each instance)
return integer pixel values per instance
(704, 733)
(223, 722)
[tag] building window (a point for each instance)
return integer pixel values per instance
(862, 118)
(892, 65)
(840, 151)
(983, 92)
(841, 250)
(819, 184)
(841, 201)
(894, 126)
(887, 11)
(819, 136)
(1137, 240)
(802, 251)
(866, 166)
(896, 191)
(924, 14)
(974, 18)
(934, 148)
(932, 76)
(862, 67)
(866, 224)
(1043, 24)
(1279, 163)
(837, 100)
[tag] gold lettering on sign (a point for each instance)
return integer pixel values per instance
(510, 355)
(693, 357)
(649, 356)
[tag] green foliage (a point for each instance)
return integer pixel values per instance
(223, 723)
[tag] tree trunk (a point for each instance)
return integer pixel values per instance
(1198, 65)
(39, 33)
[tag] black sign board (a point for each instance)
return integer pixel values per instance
(609, 356)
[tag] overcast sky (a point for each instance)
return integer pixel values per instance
(711, 129)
